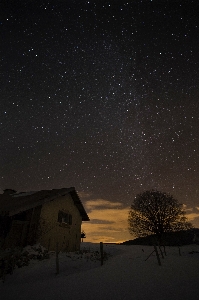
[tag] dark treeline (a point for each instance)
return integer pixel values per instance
(180, 238)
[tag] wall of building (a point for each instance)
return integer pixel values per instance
(51, 233)
(23, 228)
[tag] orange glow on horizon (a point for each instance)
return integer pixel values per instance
(108, 221)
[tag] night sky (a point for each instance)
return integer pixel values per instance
(102, 96)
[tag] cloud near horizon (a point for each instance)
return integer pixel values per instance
(192, 214)
(108, 221)
(90, 204)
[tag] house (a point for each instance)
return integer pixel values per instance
(52, 218)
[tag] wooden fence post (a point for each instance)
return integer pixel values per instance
(57, 258)
(161, 252)
(165, 250)
(149, 255)
(101, 252)
(157, 254)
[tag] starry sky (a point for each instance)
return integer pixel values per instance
(103, 96)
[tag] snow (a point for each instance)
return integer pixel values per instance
(126, 274)
(22, 194)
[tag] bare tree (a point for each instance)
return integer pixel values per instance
(154, 212)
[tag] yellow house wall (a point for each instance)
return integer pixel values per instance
(52, 233)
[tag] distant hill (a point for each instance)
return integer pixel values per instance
(179, 238)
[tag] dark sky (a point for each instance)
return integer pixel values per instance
(100, 95)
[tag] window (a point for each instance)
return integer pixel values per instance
(64, 218)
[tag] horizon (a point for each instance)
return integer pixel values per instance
(109, 220)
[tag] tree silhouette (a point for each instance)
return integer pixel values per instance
(154, 212)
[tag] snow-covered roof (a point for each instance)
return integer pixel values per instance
(22, 194)
(12, 204)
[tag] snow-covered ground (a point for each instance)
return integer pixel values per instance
(125, 275)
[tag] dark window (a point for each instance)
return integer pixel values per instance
(64, 218)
